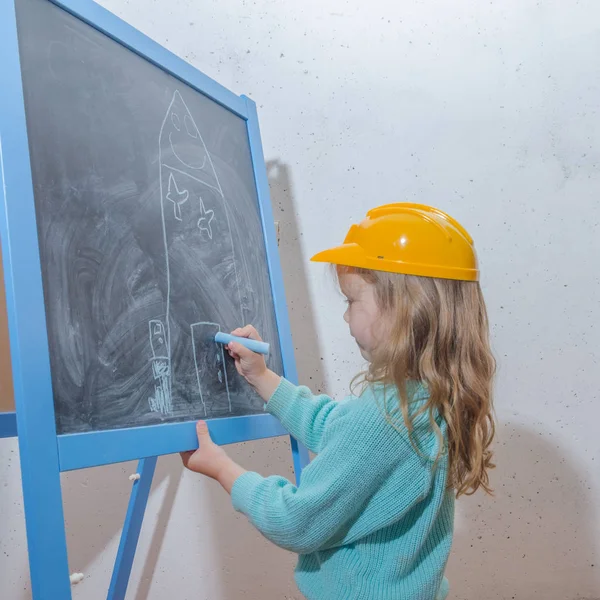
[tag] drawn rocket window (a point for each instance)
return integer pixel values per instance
(177, 197)
(206, 218)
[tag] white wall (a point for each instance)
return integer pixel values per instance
(488, 110)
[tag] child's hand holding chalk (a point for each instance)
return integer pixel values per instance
(249, 363)
(254, 345)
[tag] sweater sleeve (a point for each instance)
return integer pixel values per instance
(303, 414)
(326, 509)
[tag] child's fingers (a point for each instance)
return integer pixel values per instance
(252, 333)
(248, 332)
(185, 457)
(202, 432)
(240, 351)
(233, 354)
(239, 368)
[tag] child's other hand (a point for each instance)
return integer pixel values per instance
(249, 364)
(209, 459)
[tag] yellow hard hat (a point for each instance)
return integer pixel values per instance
(413, 239)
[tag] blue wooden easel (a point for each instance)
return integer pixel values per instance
(43, 453)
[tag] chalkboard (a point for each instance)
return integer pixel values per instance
(149, 230)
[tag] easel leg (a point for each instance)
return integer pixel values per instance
(131, 529)
(300, 457)
(48, 559)
(43, 507)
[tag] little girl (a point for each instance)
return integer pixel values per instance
(373, 516)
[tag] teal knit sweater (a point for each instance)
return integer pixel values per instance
(372, 518)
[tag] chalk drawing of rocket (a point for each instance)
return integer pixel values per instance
(198, 243)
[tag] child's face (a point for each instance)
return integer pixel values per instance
(363, 315)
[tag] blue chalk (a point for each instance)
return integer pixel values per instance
(255, 346)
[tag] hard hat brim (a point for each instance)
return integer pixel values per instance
(352, 255)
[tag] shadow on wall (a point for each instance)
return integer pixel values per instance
(535, 538)
(293, 264)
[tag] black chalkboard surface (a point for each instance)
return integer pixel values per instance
(149, 230)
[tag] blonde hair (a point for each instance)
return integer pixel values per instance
(440, 337)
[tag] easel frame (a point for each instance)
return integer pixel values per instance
(43, 453)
